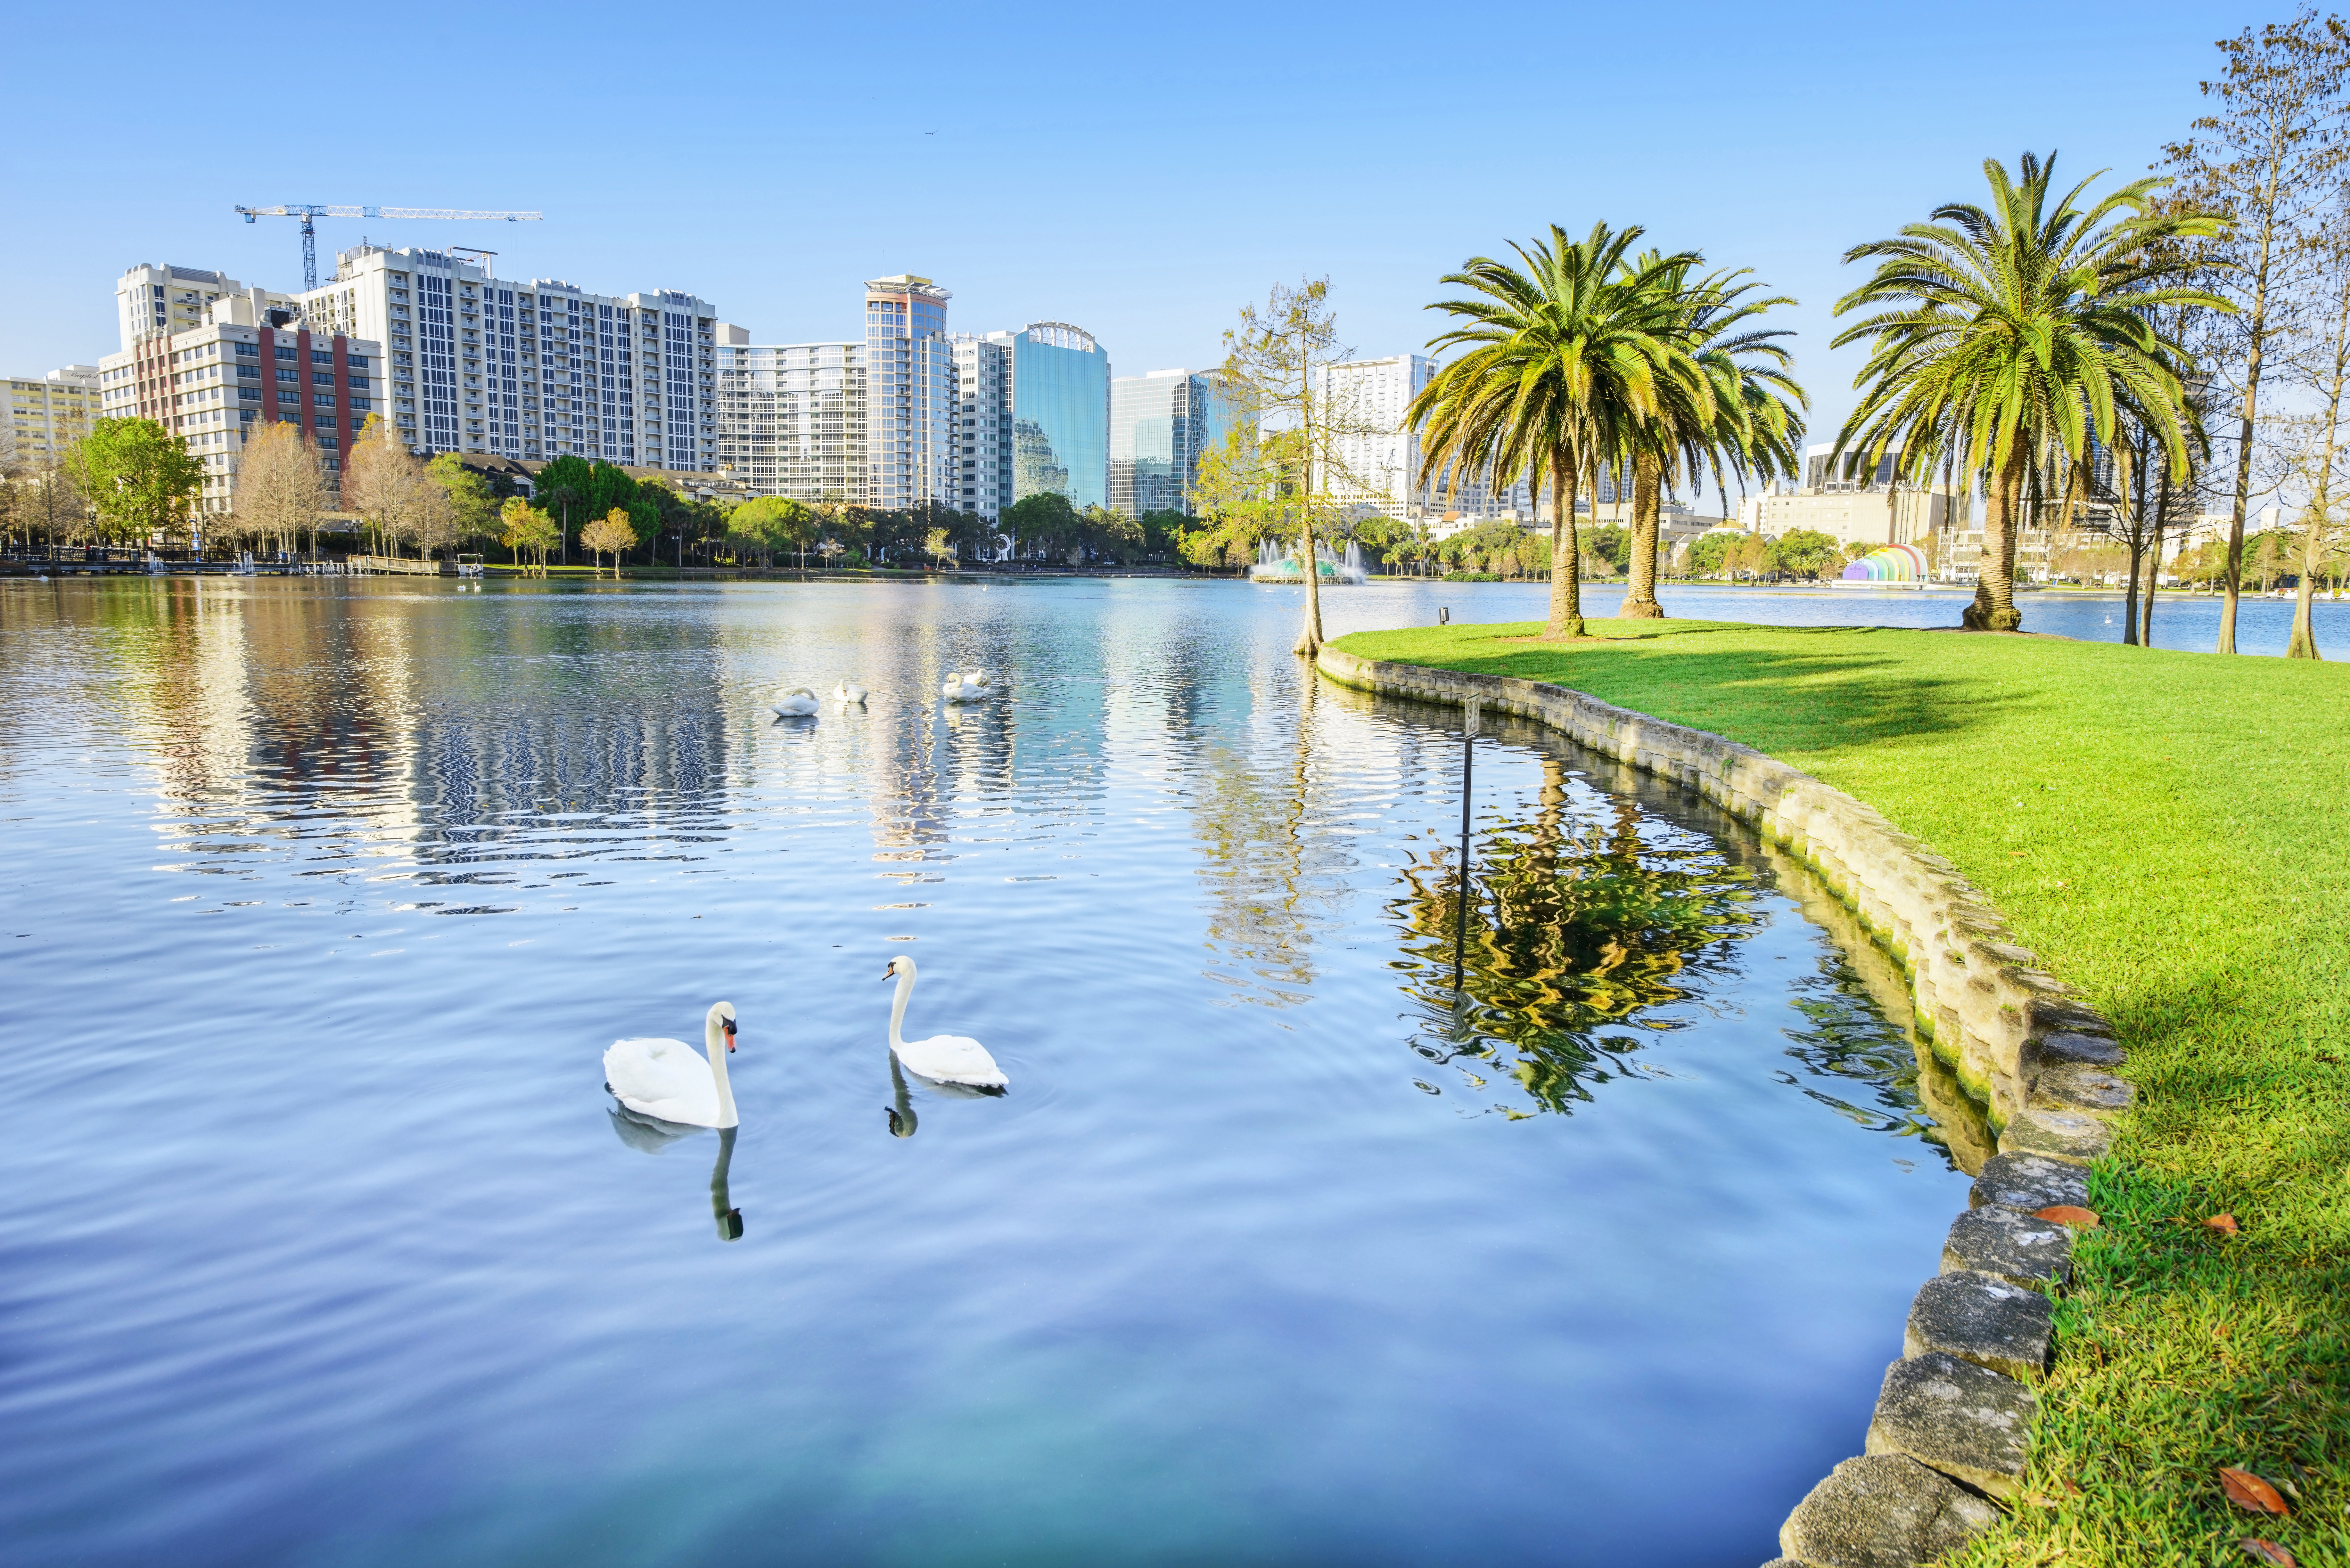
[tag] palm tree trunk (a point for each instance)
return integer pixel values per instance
(1648, 481)
(1994, 606)
(1565, 551)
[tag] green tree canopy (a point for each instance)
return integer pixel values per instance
(2001, 333)
(1043, 525)
(1568, 357)
(471, 508)
(1806, 553)
(142, 482)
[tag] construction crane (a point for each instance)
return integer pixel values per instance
(308, 212)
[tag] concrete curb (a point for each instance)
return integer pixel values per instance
(2019, 1039)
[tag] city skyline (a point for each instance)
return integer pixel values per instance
(1854, 130)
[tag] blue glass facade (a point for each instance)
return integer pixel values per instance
(1158, 426)
(1060, 414)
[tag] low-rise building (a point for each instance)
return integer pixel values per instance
(46, 414)
(248, 364)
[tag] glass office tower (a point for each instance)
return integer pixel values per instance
(1158, 426)
(1060, 412)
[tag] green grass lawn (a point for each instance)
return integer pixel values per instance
(2170, 831)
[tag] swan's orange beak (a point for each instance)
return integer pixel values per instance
(730, 1036)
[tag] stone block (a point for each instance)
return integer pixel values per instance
(2028, 1182)
(2072, 1136)
(1966, 1421)
(1882, 1510)
(1983, 1319)
(2063, 1046)
(2012, 1245)
(2078, 1087)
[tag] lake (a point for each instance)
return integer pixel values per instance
(321, 1241)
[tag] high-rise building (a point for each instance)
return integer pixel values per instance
(536, 369)
(152, 299)
(1158, 426)
(1060, 412)
(1375, 453)
(480, 365)
(247, 364)
(983, 426)
(792, 417)
(911, 402)
(46, 413)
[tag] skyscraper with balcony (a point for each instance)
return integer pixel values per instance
(1158, 426)
(984, 456)
(911, 402)
(480, 364)
(791, 417)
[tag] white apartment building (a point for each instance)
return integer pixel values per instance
(523, 370)
(792, 417)
(531, 370)
(46, 413)
(982, 455)
(1376, 458)
(248, 364)
(1374, 455)
(911, 410)
(152, 299)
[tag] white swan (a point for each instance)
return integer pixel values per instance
(846, 695)
(665, 1080)
(960, 688)
(796, 703)
(942, 1058)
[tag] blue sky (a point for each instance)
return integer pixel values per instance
(1138, 171)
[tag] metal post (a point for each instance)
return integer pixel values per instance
(1469, 715)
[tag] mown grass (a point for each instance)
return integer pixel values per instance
(2171, 832)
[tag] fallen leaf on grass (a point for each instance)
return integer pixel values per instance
(2069, 1214)
(2247, 1490)
(2069, 1484)
(2226, 1222)
(2260, 1551)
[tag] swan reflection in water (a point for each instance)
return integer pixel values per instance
(902, 1120)
(653, 1134)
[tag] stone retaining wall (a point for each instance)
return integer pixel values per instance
(1952, 1422)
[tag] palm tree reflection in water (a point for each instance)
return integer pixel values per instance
(1575, 921)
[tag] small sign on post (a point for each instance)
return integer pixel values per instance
(1471, 707)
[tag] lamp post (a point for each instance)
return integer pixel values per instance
(1470, 714)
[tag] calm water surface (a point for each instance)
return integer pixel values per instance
(320, 1242)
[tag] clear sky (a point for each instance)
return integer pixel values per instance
(1137, 171)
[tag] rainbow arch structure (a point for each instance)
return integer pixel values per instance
(1893, 564)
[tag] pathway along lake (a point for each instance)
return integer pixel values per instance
(321, 1244)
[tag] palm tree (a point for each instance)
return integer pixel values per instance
(2010, 330)
(1571, 355)
(1748, 426)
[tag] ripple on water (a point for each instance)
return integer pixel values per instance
(324, 1243)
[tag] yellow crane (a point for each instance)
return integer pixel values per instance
(309, 211)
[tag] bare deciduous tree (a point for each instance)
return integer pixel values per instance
(2265, 159)
(279, 488)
